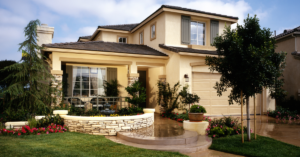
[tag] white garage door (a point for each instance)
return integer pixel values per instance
(203, 84)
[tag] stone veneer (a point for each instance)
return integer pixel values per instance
(108, 125)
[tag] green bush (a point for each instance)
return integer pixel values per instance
(137, 92)
(32, 122)
(48, 120)
(130, 110)
(197, 109)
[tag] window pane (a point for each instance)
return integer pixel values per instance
(85, 85)
(85, 93)
(197, 33)
(124, 40)
(120, 40)
(76, 73)
(153, 31)
(76, 92)
(94, 92)
(76, 85)
(193, 42)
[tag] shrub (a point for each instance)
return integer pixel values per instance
(32, 122)
(48, 120)
(166, 96)
(130, 110)
(197, 109)
(137, 92)
(187, 98)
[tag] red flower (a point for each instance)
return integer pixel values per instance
(19, 134)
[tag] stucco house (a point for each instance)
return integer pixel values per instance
(169, 45)
(289, 41)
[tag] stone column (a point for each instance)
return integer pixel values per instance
(57, 83)
(132, 77)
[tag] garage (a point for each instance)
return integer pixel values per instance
(202, 85)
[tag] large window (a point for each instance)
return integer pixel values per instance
(88, 81)
(153, 31)
(197, 33)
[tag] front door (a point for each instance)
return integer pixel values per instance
(142, 80)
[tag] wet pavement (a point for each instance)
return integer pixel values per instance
(265, 126)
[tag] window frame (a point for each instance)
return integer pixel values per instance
(142, 32)
(89, 81)
(153, 24)
(120, 36)
(205, 32)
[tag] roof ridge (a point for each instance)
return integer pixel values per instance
(84, 42)
(119, 25)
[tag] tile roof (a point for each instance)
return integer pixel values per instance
(85, 37)
(288, 31)
(198, 11)
(107, 47)
(189, 50)
(124, 27)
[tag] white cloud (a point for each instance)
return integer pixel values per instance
(84, 31)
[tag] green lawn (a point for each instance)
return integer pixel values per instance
(70, 144)
(261, 147)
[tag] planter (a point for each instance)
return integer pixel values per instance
(196, 117)
(60, 112)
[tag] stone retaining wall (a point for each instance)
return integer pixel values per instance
(107, 127)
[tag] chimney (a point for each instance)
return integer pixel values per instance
(44, 34)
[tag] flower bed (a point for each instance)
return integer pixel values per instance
(108, 125)
(26, 130)
(283, 115)
(221, 127)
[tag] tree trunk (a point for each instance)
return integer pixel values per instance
(248, 119)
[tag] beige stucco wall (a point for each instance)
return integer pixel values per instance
(292, 70)
(160, 32)
(153, 74)
(113, 36)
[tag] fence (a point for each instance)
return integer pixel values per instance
(97, 102)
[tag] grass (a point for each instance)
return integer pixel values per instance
(70, 144)
(261, 147)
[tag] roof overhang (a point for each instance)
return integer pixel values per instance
(89, 52)
(195, 54)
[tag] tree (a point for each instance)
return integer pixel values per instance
(3, 74)
(137, 92)
(30, 88)
(167, 97)
(188, 98)
(247, 61)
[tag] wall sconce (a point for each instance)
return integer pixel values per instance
(186, 77)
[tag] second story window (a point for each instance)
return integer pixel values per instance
(197, 33)
(122, 39)
(153, 31)
(141, 37)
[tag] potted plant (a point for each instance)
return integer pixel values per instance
(196, 113)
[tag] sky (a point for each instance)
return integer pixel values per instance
(74, 18)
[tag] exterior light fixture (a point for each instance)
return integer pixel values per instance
(186, 77)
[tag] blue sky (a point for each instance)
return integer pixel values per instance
(74, 18)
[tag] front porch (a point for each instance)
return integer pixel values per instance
(82, 77)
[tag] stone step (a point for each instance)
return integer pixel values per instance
(202, 144)
(187, 137)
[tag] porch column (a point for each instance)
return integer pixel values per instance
(132, 75)
(57, 83)
(162, 77)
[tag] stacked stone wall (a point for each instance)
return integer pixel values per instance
(107, 127)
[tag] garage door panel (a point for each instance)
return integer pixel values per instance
(204, 102)
(219, 102)
(203, 84)
(219, 110)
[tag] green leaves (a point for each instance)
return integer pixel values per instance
(137, 92)
(246, 59)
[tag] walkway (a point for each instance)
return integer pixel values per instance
(266, 126)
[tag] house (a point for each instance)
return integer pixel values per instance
(169, 45)
(289, 41)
